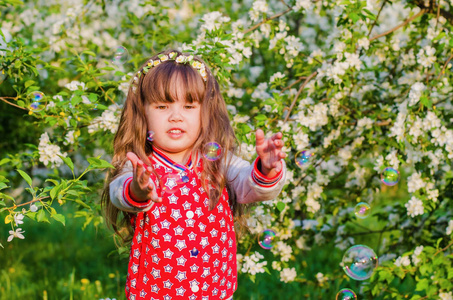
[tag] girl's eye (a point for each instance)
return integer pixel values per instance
(161, 107)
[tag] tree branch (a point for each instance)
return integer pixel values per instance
(10, 103)
(399, 26)
(377, 17)
(298, 93)
(267, 19)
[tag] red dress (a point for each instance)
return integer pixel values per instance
(180, 248)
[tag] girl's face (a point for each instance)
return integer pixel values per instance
(176, 127)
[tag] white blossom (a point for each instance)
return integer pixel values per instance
(251, 264)
(415, 182)
(283, 250)
(258, 7)
(288, 274)
(74, 85)
(277, 75)
(321, 278)
(49, 153)
(446, 296)
(416, 92)
(18, 219)
(402, 261)
(415, 258)
(108, 121)
(449, 229)
(17, 233)
(414, 207)
(213, 20)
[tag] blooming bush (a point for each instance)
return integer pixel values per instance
(361, 85)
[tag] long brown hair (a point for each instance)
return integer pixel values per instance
(159, 85)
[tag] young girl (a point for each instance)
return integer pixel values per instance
(172, 201)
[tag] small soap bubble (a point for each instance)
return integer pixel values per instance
(346, 294)
(212, 151)
(362, 210)
(120, 56)
(359, 262)
(303, 158)
(37, 101)
(390, 176)
(267, 239)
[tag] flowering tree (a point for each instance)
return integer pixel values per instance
(361, 85)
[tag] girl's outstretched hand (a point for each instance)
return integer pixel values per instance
(270, 152)
(141, 188)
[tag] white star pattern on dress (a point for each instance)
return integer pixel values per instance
(184, 190)
(215, 292)
(180, 291)
(142, 293)
(216, 263)
(211, 218)
(166, 297)
(163, 209)
(190, 222)
(204, 242)
(168, 268)
(213, 232)
(133, 297)
(175, 214)
(215, 248)
(139, 238)
(141, 223)
(134, 268)
(173, 199)
(192, 297)
(134, 283)
(222, 222)
(206, 272)
(194, 268)
(215, 278)
(199, 212)
(206, 257)
(181, 276)
(167, 284)
(181, 261)
(165, 224)
(220, 207)
(206, 202)
(167, 237)
(155, 229)
(224, 267)
(230, 243)
(155, 259)
(202, 227)
(168, 253)
(222, 282)
(205, 287)
(154, 288)
(155, 273)
(146, 233)
(170, 183)
(224, 252)
(136, 253)
(179, 230)
(195, 197)
(192, 236)
(145, 279)
(224, 237)
(187, 205)
(156, 213)
(180, 244)
(155, 243)
(222, 294)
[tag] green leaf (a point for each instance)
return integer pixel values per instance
(281, 206)
(25, 176)
(54, 191)
(89, 53)
(41, 216)
(67, 160)
(4, 161)
(60, 218)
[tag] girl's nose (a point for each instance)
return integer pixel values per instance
(175, 115)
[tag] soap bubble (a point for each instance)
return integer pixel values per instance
(120, 56)
(267, 239)
(212, 151)
(170, 183)
(362, 210)
(390, 176)
(303, 158)
(359, 262)
(346, 294)
(37, 101)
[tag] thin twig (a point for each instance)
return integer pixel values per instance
(399, 26)
(15, 105)
(445, 65)
(377, 17)
(294, 83)
(298, 93)
(267, 19)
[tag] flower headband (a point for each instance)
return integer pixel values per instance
(180, 59)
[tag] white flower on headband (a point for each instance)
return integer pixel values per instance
(181, 59)
(163, 57)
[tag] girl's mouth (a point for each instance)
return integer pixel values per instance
(175, 132)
